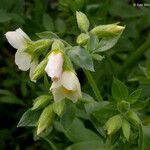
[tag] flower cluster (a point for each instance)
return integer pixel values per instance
(65, 82)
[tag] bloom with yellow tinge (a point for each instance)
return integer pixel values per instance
(19, 40)
(68, 86)
(54, 66)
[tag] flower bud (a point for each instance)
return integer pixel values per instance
(39, 70)
(113, 124)
(123, 106)
(57, 44)
(133, 118)
(82, 20)
(46, 119)
(41, 45)
(107, 30)
(126, 129)
(54, 66)
(82, 39)
(58, 107)
(41, 101)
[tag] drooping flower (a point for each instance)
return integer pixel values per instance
(20, 40)
(54, 66)
(68, 86)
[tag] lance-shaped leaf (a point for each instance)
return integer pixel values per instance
(81, 58)
(119, 90)
(133, 97)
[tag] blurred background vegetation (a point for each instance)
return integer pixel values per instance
(33, 16)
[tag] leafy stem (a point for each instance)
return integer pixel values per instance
(134, 57)
(93, 85)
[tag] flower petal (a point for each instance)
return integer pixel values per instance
(22, 60)
(54, 65)
(21, 32)
(72, 96)
(58, 94)
(33, 66)
(16, 40)
(69, 80)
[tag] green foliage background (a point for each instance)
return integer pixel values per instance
(33, 16)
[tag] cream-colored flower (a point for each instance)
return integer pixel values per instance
(67, 87)
(54, 66)
(19, 40)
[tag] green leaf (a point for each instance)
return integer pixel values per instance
(88, 145)
(60, 25)
(126, 129)
(47, 35)
(134, 96)
(68, 116)
(81, 58)
(107, 43)
(48, 22)
(41, 101)
(119, 90)
(46, 119)
(92, 43)
(101, 111)
(29, 118)
(78, 133)
(10, 98)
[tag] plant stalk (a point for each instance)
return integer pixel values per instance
(93, 85)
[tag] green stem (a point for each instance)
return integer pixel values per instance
(141, 137)
(93, 85)
(134, 57)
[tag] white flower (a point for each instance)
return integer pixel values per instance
(67, 87)
(19, 40)
(54, 66)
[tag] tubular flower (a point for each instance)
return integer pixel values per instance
(67, 87)
(19, 40)
(54, 66)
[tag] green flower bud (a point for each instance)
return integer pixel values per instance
(41, 101)
(123, 106)
(58, 107)
(82, 20)
(113, 124)
(107, 30)
(133, 118)
(40, 69)
(57, 44)
(82, 39)
(46, 119)
(126, 129)
(38, 47)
